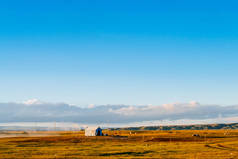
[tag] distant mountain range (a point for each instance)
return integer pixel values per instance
(184, 127)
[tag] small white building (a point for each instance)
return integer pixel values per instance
(93, 131)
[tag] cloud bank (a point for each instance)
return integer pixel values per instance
(36, 111)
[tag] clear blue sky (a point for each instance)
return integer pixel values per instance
(119, 52)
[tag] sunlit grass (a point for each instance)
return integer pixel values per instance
(125, 144)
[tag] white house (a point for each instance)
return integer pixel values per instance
(93, 131)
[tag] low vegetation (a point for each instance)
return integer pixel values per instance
(194, 144)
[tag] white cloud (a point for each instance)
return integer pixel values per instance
(37, 111)
(130, 110)
(91, 105)
(173, 108)
(32, 102)
(194, 103)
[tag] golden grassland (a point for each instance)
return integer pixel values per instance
(217, 144)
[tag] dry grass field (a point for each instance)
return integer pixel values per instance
(216, 144)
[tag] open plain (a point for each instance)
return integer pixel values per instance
(194, 144)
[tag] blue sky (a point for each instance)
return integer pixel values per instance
(119, 52)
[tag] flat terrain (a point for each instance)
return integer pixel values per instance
(218, 144)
